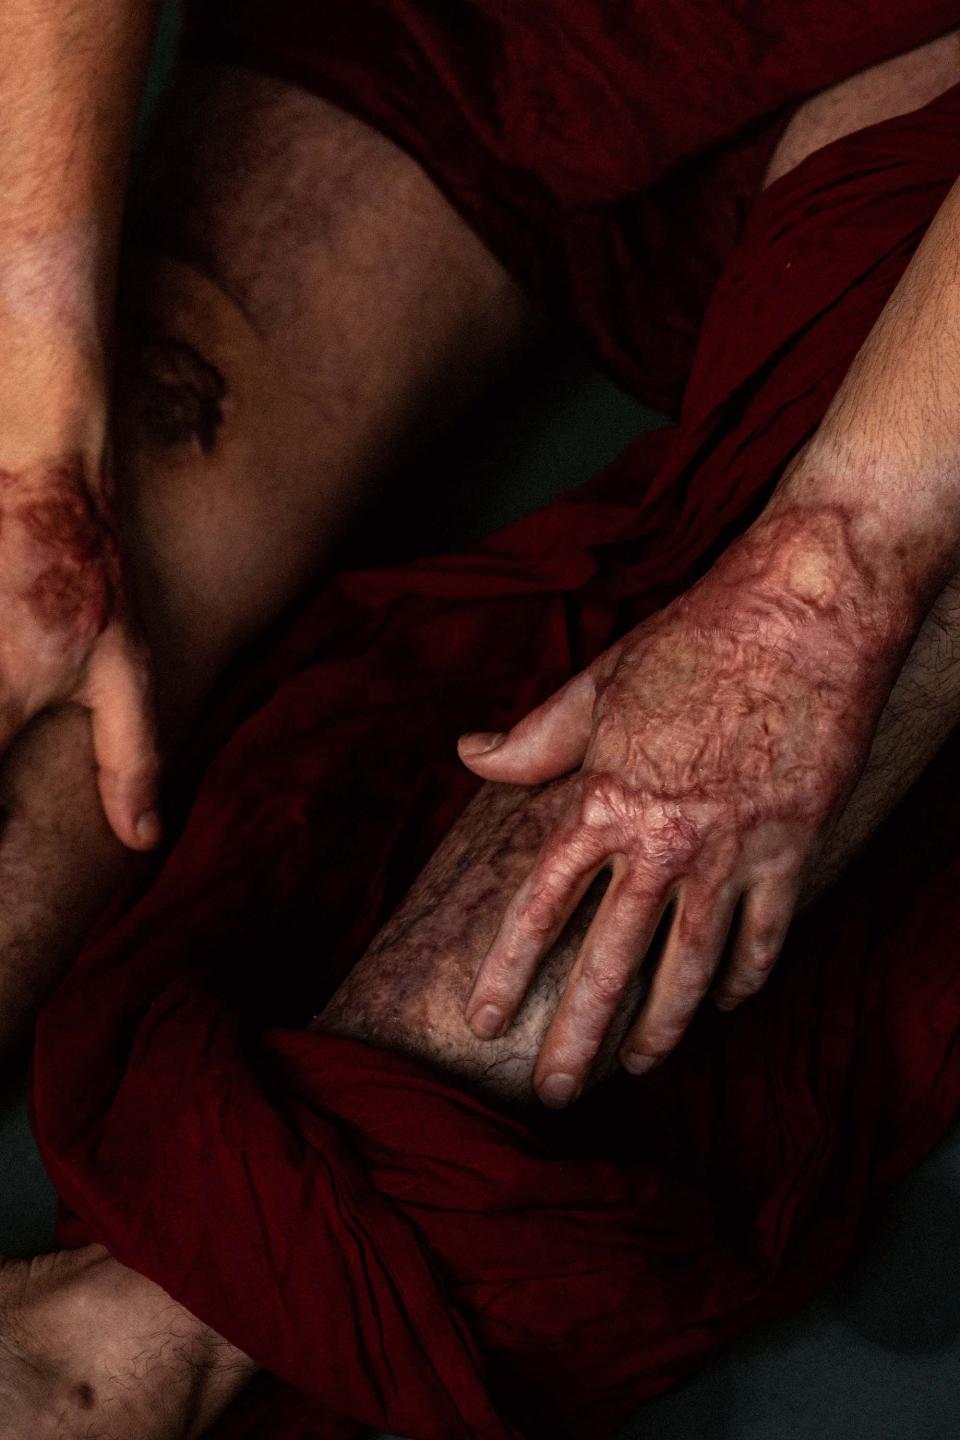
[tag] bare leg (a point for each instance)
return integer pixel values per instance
(150, 1370)
(292, 340)
(408, 991)
(311, 326)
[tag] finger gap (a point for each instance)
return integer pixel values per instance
(638, 990)
(722, 972)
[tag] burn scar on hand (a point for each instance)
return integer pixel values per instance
(713, 745)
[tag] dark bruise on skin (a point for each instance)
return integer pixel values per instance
(64, 544)
(172, 394)
(85, 1396)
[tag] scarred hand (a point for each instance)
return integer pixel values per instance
(716, 742)
(67, 634)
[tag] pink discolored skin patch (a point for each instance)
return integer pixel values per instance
(68, 550)
(65, 598)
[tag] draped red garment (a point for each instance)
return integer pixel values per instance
(397, 1252)
(606, 150)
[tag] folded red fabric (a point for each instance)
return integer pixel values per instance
(397, 1252)
(606, 150)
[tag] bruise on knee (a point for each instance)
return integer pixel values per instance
(173, 395)
(409, 991)
(184, 356)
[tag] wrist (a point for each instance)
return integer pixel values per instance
(803, 579)
(900, 519)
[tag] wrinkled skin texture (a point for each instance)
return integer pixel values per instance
(66, 634)
(717, 742)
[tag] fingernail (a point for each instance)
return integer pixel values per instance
(482, 742)
(638, 1064)
(558, 1090)
(148, 828)
(487, 1023)
(725, 1002)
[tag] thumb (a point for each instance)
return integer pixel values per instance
(546, 743)
(119, 694)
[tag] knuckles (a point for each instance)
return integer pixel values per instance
(665, 836)
(605, 802)
(760, 961)
(604, 984)
(537, 915)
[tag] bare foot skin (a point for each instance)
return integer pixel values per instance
(91, 1351)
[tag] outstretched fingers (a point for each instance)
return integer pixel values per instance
(534, 919)
(612, 953)
(691, 955)
(768, 908)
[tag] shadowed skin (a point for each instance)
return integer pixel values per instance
(212, 405)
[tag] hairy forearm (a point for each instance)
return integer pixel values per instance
(887, 455)
(71, 74)
(920, 714)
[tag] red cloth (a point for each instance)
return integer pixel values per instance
(607, 150)
(399, 1253)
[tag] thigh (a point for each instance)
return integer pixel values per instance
(300, 308)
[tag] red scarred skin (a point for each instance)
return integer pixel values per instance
(72, 541)
(726, 732)
(59, 574)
